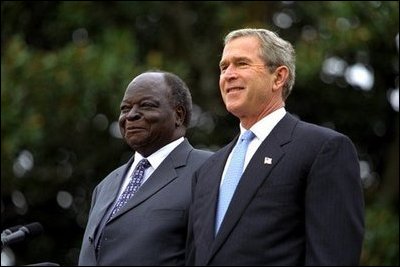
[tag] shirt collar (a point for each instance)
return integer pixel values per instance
(157, 157)
(263, 127)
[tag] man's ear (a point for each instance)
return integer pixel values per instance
(281, 75)
(180, 114)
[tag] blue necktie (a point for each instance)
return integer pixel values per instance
(232, 176)
(133, 186)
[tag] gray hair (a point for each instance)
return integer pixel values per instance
(274, 52)
(180, 94)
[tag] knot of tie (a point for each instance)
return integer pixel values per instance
(144, 163)
(247, 136)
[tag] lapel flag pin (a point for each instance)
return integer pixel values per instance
(267, 160)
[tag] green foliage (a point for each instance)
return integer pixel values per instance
(65, 66)
(381, 244)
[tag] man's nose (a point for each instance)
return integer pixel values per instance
(230, 72)
(133, 114)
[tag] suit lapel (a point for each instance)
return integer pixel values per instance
(111, 186)
(257, 171)
(162, 176)
(214, 174)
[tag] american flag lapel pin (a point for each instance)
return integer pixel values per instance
(268, 160)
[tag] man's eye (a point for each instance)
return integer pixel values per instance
(124, 109)
(222, 68)
(242, 64)
(147, 105)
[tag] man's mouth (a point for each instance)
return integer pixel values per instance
(133, 129)
(234, 89)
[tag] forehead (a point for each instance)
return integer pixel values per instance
(241, 46)
(147, 83)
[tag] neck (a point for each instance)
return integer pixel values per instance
(248, 121)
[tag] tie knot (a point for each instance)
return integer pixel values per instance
(247, 136)
(144, 163)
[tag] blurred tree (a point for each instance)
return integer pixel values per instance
(65, 66)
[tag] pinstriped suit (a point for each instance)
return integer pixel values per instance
(302, 206)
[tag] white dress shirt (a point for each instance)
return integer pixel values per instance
(155, 160)
(261, 130)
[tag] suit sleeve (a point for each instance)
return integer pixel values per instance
(334, 206)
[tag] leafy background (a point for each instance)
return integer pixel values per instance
(65, 66)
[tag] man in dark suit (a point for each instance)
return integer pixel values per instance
(298, 197)
(139, 212)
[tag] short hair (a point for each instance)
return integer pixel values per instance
(180, 94)
(274, 52)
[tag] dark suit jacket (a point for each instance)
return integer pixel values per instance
(151, 228)
(305, 207)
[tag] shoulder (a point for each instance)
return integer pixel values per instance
(317, 132)
(199, 156)
(314, 137)
(202, 153)
(193, 152)
(185, 153)
(301, 128)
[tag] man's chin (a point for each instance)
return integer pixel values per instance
(233, 109)
(135, 139)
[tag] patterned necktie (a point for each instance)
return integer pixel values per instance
(133, 186)
(232, 176)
